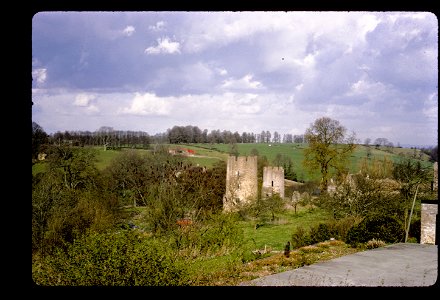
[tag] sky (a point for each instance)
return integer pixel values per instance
(247, 71)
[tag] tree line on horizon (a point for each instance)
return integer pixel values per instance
(109, 137)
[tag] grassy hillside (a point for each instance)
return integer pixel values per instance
(208, 154)
(296, 153)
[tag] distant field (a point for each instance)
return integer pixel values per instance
(208, 154)
(296, 153)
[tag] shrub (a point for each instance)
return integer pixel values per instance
(115, 259)
(414, 230)
(320, 233)
(300, 238)
(379, 227)
(336, 229)
(371, 244)
(339, 228)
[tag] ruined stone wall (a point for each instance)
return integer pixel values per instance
(273, 181)
(428, 222)
(241, 181)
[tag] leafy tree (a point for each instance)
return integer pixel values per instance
(39, 138)
(413, 178)
(328, 148)
(136, 176)
(282, 160)
(360, 196)
(266, 208)
(233, 149)
(75, 165)
(69, 200)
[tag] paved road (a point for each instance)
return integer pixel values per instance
(397, 265)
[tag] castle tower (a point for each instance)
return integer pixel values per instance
(435, 186)
(273, 181)
(241, 181)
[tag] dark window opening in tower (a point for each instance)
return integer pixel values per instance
(272, 182)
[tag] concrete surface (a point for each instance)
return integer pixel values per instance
(397, 265)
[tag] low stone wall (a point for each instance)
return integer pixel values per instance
(429, 213)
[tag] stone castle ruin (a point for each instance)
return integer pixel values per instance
(273, 181)
(242, 181)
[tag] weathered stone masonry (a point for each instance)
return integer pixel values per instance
(428, 218)
(273, 181)
(241, 181)
(428, 222)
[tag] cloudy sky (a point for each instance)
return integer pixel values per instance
(374, 72)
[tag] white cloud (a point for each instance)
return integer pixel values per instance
(239, 104)
(92, 109)
(39, 75)
(129, 30)
(222, 71)
(83, 100)
(366, 23)
(164, 45)
(308, 61)
(242, 83)
(430, 107)
(148, 104)
(368, 89)
(158, 27)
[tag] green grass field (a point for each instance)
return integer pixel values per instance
(208, 154)
(296, 153)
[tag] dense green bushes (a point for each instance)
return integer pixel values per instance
(217, 235)
(123, 258)
(337, 229)
(70, 200)
(378, 227)
(132, 257)
(353, 231)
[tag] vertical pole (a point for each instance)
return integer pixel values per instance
(410, 215)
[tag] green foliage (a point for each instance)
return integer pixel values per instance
(264, 210)
(112, 259)
(414, 180)
(376, 168)
(135, 174)
(328, 148)
(217, 234)
(300, 238)
(323, 231)
(379, 227)
(75, 165)
(70, 200)
(320, 233)
(410, 171)
(282, 160)
(359, 196)
(39, 139)
(415, 230)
